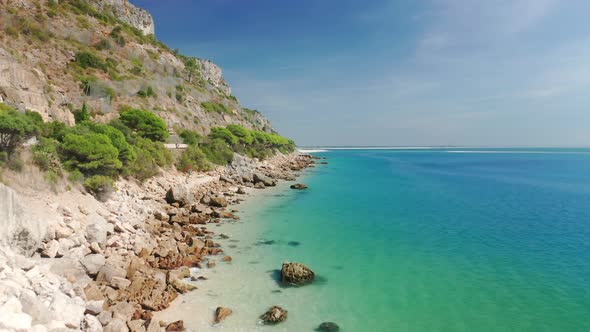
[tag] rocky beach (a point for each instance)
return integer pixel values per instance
(70, 261)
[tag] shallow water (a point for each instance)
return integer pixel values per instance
(408, 240)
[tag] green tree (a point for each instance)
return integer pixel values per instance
(145, 124)
(190, 137)
(223, 134)
(193, 159)
(241, 133)
(191, 67)
(91, 153)
(218, 152)
(82, 114)
(15, 128)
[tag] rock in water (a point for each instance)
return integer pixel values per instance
(298, 186)
(221, 313)
(328, 327)
(274, 315)
(296, 273)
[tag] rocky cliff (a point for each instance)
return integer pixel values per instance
(57, 55)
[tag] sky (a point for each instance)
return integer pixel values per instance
(398, 72)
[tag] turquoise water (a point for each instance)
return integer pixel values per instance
(423, 240)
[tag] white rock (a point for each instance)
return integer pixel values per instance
(105, 317)
(116, 325)
(15, 321)
(92, 324)
(50, 249)
(93, 262)
(63, 231)
(38, 328)
(94, 307)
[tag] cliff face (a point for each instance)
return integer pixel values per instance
(55, 56)
(130, 14)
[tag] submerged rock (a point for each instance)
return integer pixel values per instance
(328, 327)
(221, 313)
(298, 186)
(274, 315)
(296, 273)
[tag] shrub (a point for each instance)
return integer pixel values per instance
(218, 152)
(243, 134)
(15, 128)
(145, 124)
(99, 185)
(193, 159)
(15, 163)
(190, 137)
(223, 134)
(150, 156)
(103, 44)
(91, 154)
(210, 107)
(146, 92)
(12, 32)
(45, 155)
(82, 114)
(75, 176)
(90, 60)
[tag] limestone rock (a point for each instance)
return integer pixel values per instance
(116, 325)
(175, 326)
(298, 186)
(93, 263)
(274, 315)
(50, 249)
(221, 313)
(218, 201)
(296, 273)
(261, 178)
(92, 324)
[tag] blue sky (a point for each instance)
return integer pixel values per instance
(393, 72)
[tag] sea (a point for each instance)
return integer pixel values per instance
(416, 240)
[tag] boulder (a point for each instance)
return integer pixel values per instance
(50, 249)
(116, 325)
(179, 194)
(274, 315)
(108, 272)
(296, 273)
(221, 313)
(63, 231)
(150, 292)
(261, 178)
(328, 327)
(136, 325)
(92, 324)
(93, 263)
(94, 307)
(218, 201)
(298, 186)
(175, 326)
(96, 231)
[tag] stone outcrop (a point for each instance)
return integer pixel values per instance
(298, 186)
(274, 315)
(212, 73)
(128, 13)
(21, 227)
(296, 273)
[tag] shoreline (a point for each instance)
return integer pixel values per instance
(119, 262)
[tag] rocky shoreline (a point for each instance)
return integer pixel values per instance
(109, 266)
